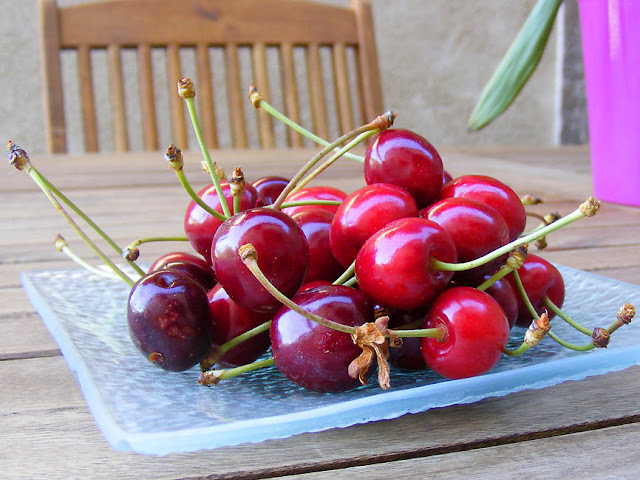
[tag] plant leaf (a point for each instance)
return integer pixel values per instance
(518, 64)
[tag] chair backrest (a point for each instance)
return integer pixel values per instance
(286, 30)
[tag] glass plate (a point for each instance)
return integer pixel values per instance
(142, 408)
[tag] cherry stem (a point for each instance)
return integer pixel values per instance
(587, 209)
(212, 377)
(260, 102)
(140, 241)
(186, 90)
(303, 203)
(518, 351)
(194, 196)
(571, 346)
(438, 333)
(501, 273)
(555, 309)
(351, 282)
(217, 352)
(523, 294)
(359, 139)
(62, 246)
(348, 273)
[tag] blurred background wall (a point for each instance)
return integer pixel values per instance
(435, 57)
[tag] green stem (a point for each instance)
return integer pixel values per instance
(225, 347)
(237, 199)
(72, 255)
(191, 106)
(554, 308)
(359, 139)
(303, 203)
(348, 273)
(439, 333)
(194, 196)
(140, 241)
(351, 282)
(523, 294)
(501, 273)
(287, 121)
(518, 351)
(571, 346)
(34, 172)
(214, 376)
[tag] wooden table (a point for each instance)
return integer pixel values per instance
(588, 428)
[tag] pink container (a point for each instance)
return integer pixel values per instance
(611, 51)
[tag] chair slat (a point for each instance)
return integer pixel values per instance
(204, 94)
(116, 97)
(316, 92)
(261, 76)
(236, 100)
(147, 98)
(85, 83)
(372, 88)
(290, 87)
(176, 104)
(343, 97)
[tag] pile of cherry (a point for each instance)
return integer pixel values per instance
(415, 270)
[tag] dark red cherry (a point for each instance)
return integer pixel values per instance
(446, 177)
(189, 264)
(494, 193)
(168, 318)
(283, 256)
(230, 320)
(363, 213)
(539, 278)
(407, 356)
(406, 159)
(200, 226)
(314, 284)
(311, 355)
(503, 293)
(315, 225)
(320, 192)
(476, 229)
(477, 332)
(393, 267)
(270, 187)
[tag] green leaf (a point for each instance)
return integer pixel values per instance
(518, 64)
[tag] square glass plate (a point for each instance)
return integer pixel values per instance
(142, 408)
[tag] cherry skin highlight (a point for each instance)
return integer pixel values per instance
(363, 213)
(270, 187)
(314, 356)
(190, 264)
(169, 321)
(477, 333)
(283, 256)
(393, 267)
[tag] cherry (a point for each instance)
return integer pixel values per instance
(408, 160)
(316, 283)
(494, 193)
(200, 226)
(393, 267)
(446, 177)
(312, 355)
(230, 320)
(408, 356)
(503, 293)
(477, 332)
(190, 264)
(284, 256)
(319, 192)
(169, 320)
(540, 279)
(270, 187)
(315, 225)
(363, 213)
(476, 229)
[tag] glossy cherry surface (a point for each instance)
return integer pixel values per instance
(393, 267)
(320, 192)
(200, 226)
(283, 256)
(169, 321)
(187, 263)
(408, 356)
(406, 159)
(311, 355)
(363, 213)
(539, 278)
(230, 320)
(270, 187)
(315, 225)
(477, 332)
(494, 193)
(503, 293)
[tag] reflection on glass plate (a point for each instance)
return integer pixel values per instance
(140, 407)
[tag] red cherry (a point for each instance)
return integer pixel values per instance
(314, 356)
(189, 264)
(393, 267)
(446, 177)
(539, 279)
(169, 321)
(320, 192)
(407, 356)
(503, 293)
(230, 320)
(315, 225)
(476, 229)
(406, 159)
(270, 187)
(283, 256)
(494, 193)
(200, 226)
(363, 213)
(477, 332)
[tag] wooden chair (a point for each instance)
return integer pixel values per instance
(143, 26)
